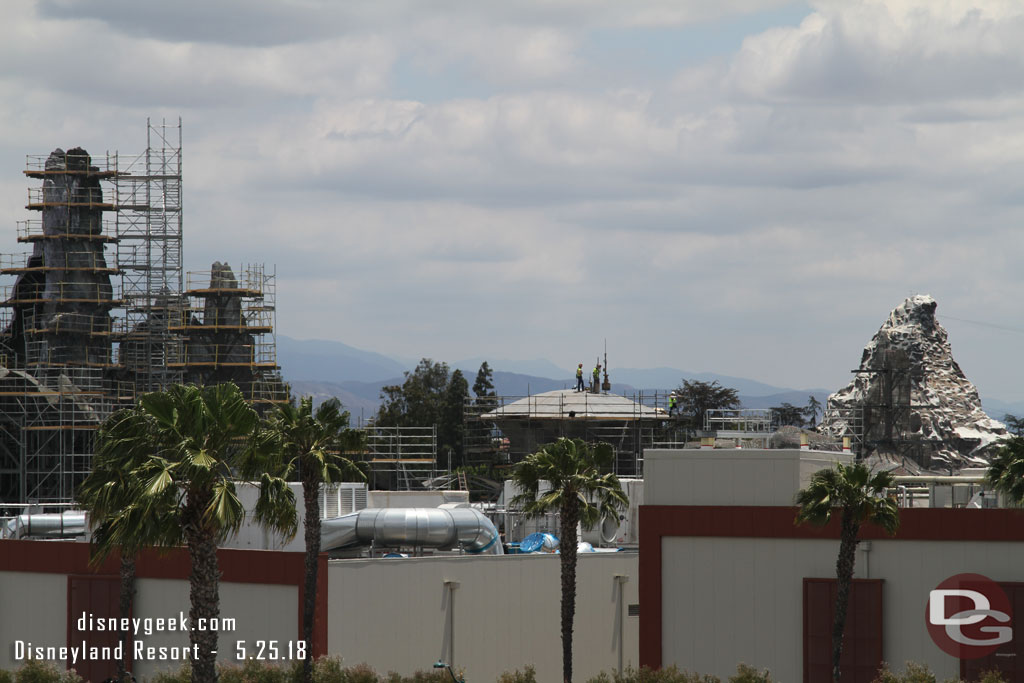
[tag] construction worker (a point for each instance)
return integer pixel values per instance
(579, 378)
(597, 379)
(672, 403)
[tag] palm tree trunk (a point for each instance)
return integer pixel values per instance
(844, 577)
(311, 495)
(127, 594)
(204, 592)
(570, 516)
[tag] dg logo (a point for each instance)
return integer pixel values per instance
(969, 616)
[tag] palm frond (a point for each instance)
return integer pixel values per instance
(853, 489)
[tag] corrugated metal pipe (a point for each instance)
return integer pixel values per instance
(442, 528)
(53, 524)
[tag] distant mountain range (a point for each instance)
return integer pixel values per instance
(328, 368)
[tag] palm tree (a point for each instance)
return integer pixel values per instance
(106, 492)
(860, 497)
(1006, 469)
(175, 452)
(582, 490)
(310, 445)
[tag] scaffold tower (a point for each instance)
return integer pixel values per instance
(149, 253)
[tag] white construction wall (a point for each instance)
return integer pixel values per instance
(394, 614)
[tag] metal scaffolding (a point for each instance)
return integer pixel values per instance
(401, 457)
(227, 322)
(149, 254)
(81, 336)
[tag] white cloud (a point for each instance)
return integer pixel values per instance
(822, 172)
(877, 51)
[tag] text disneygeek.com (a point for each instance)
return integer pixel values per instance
(139, 651)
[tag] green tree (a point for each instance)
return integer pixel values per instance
(860, 496)
(451, 429)
(430, 395)
(417, 401)
(788, 414)
(697, 398)
(1014, 424)
(583, 490)
(175, 452)
(811, 410)
(483, 387)
(310, 445)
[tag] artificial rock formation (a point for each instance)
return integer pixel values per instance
(63, 296)
(910, 398)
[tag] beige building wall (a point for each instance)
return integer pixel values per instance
(734, 476)
(261, 612)
(393, 614)
(732, 600)
(33, 608)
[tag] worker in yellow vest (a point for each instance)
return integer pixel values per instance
(596, 388)
(579, 378)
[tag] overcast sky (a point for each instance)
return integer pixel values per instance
(745, 186)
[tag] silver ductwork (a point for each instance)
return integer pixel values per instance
(50, 524)
(442, 528)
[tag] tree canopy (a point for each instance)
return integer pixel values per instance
(788, 415)
(696, 398)
(812, 409)
(1006, 469)
(1014, 424)
(430, 395)
(483, 387)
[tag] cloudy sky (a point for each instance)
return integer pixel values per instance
(745, 186)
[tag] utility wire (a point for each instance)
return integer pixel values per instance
(984, 324)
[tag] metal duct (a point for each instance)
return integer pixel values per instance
(56, 524)
(431, 527)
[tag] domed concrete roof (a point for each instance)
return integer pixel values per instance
(568, 404)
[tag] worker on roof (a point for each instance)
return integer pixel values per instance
(597, 379)
(579, 378)
(672, 403)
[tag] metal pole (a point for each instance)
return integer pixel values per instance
(451, 586)
(620, 580)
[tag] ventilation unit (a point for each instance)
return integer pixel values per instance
(342, 498)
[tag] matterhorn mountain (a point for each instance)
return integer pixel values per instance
(910, 401)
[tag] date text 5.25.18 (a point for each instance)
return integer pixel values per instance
(270, 650)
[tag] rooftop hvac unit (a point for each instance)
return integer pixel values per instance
(341, 498)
